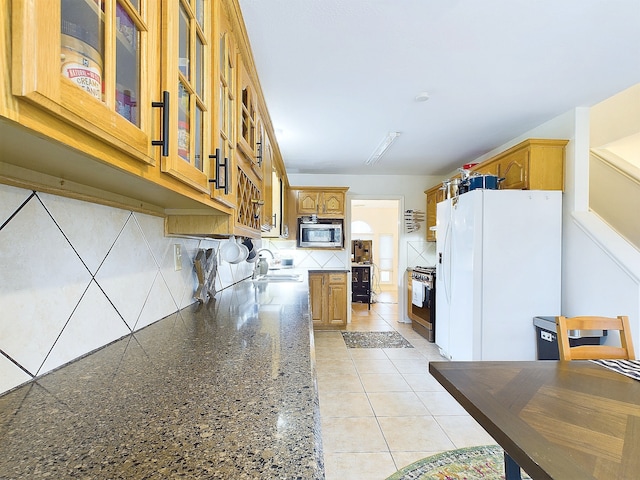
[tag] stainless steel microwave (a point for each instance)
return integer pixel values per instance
(323, 233)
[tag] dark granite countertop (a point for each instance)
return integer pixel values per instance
(329, 270)
(224, 390)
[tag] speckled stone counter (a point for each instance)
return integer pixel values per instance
(224, 390)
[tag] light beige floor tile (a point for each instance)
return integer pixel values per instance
(384, 382)
(403, 354)
(397, 404)
(358, 466)
(383, 365)
(441, 403)
(412, 365)
(405, 434)
(369, 326)
(332, 350)
(352, 434)
(346, 408)
(432, 355)
(367, 353)
(327, 335)
(332, 353)
(340, 383)
(464, 431)
(423, 382)
(404, 459)
(331, 345)
(345, 404)
(335, 365)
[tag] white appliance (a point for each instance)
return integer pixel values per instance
(499, 265)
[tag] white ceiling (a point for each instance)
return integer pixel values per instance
(338, 75)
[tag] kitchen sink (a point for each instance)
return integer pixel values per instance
(279, 277)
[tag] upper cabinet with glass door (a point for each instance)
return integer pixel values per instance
(223, 165)
(86, 62)
(249, 135)
(186, 69)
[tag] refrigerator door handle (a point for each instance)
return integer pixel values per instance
(446, 277)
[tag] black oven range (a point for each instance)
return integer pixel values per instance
(422, 298)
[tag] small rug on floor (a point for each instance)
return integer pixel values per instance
(375, 340)
(473, 463)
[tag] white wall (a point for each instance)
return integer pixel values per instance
(75, 276)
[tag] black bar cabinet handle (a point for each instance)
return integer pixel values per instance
(164, 143)
(216, 181)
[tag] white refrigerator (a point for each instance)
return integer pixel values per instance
(498, 266)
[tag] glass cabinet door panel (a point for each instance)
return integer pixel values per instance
(222, 108)
(186, 77)
(200, 14)
(127, 65)
(184, 118)
(80, 62)
(199, 67)
(82, 45)
(199, 139)
(225, 119)
(184, 44)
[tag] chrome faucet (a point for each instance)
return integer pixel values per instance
(266, 250)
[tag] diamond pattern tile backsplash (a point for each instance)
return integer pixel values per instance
(75, 276)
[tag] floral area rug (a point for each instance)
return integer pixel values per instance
(375, 340)
(473, 463)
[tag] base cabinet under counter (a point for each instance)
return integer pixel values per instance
(328, 299)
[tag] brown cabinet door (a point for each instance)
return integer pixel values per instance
(327, 202)
(332, 203)
(337, 294)
(328, 292)
(316, 287)
(337, 305)
(434, 196)
(223, 169)
(308, 202)
(514, 169)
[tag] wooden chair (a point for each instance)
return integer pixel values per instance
(594, 352)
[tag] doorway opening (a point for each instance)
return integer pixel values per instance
(376, 223)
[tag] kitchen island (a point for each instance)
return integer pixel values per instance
(219, 390)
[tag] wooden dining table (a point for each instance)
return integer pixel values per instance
(556, 420)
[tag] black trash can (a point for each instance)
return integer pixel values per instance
(547, 339)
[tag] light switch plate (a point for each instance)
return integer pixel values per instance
(177, 257)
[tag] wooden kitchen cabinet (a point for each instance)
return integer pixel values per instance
(323, 201)
(434, 195)
(535, 164)
(249, 132)
(328, 296)
(80, 120)
(275, 210)
(87, 95)
(223, 161)
(187, 37)
(88, 65)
